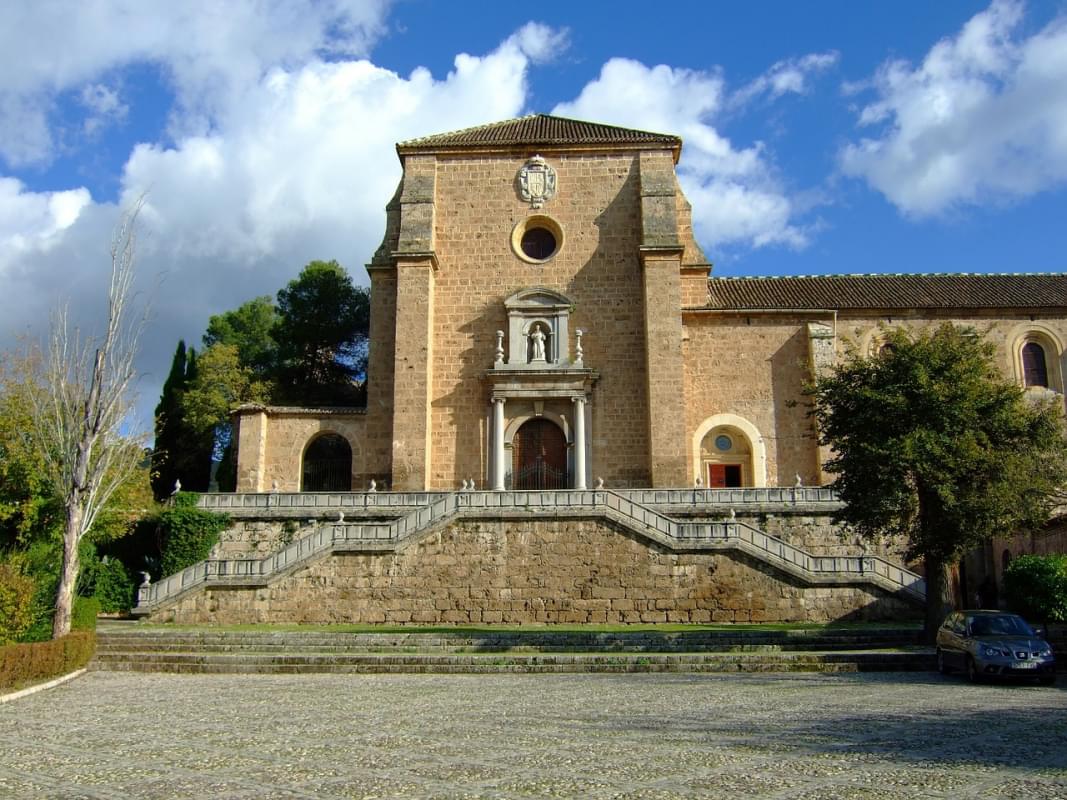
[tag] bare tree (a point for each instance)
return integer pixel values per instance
(80, 418)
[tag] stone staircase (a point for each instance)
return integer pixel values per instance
(133, 647)
(417, 514)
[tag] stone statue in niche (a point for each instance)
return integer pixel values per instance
(537, 344)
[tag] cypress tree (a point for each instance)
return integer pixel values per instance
(168, 426)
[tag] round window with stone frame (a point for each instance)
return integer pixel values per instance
(537, 239)
(723, 443)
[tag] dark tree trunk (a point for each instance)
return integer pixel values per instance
(939, 600)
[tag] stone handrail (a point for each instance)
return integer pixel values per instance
(439, 506)
(315, 501)
(323, 502)
(772, 549)
(800, 495)
(323, 539)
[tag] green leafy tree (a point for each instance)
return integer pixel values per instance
(931, 444)
(16, 603)
(1036, 587)
(221, 383)
(322, 337)
(248, 328)
(28, 507)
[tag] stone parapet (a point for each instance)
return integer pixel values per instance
(654, 531)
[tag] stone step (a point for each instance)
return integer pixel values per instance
(515, 640)
(324, 648)
(851, 661)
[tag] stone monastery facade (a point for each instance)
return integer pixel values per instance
(542, 317)
(568, 420)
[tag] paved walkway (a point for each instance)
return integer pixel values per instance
(810, 736)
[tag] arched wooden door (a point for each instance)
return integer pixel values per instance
(539, 456)
(327, 465)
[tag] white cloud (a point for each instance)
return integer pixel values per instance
(982, 119)
(104, 105)
(735, 194)
(210, 52)
(540, 42)
(295, 160)
(297, 166)
(790, 76)
(33, 222)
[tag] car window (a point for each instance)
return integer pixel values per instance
(1001, 625)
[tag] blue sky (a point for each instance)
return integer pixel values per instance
(819, 137)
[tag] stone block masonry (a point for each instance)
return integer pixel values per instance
(533, 571)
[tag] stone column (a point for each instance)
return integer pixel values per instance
(579, 442)
(251, 436)
(498, 444)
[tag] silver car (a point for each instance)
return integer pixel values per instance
(988, 644)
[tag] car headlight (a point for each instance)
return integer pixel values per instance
(1044, 652)
(990, 651)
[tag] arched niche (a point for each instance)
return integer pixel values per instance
(746, 450)
(544, 309)
(326, 465)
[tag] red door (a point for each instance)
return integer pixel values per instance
(724, 476)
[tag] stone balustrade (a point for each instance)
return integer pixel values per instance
(425, 510)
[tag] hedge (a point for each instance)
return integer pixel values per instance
(83, 614)
(1036, 587)
(189, 533)
(35, 662)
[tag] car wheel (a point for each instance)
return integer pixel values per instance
(942, 662)
(973, 675)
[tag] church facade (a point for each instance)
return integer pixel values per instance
(569, 420)
(543, 318)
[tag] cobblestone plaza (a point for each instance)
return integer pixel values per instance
(810, 736)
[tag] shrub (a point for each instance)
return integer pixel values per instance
(83, 615)
(114, 587)
(17, 593)
(41, 561)
(21, 664)
(188, 533)
(1036, 587)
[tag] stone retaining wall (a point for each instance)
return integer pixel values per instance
(534, 571)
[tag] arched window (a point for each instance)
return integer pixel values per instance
(327, 465)
(1035, 367)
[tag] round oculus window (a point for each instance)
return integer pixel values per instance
(537, 238)
(723, 442)
(538, 243)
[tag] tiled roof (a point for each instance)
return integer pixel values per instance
(540, 129)
(896, 291)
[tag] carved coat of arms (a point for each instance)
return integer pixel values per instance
(537, 182)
